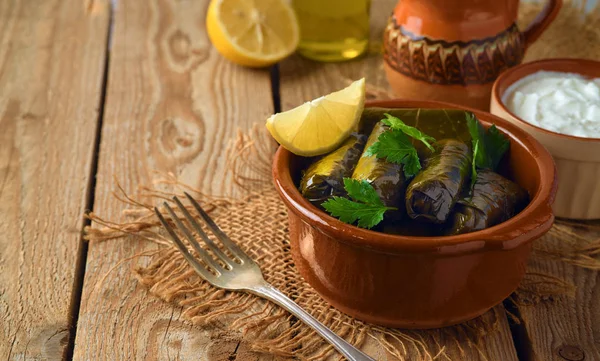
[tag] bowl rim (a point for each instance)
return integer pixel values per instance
(534, 64)
(532, 222)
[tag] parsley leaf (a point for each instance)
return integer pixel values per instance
(397, 124)
(478, 136)
(492, 144)
(365, 207)
(362, 191)
(412, 165)
(349, 212)
(497, 145)
(396, 147)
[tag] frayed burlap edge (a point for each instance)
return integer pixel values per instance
(267, 327)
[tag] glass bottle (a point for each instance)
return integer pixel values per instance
(333, 30)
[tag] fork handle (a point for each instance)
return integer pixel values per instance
(273, 294)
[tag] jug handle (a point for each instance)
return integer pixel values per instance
(541, 21)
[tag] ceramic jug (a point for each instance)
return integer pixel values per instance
(453, 50)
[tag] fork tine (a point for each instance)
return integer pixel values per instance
(186, 254)
(207, 258)
(203, 234)
(234, 248)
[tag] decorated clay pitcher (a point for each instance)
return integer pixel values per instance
(453, 50)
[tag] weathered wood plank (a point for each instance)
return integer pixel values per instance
(172, 104)
(564, 327)
(302, 80)
(51, 65)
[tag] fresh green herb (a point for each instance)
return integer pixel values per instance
(497, 145)
(361, 191)
(395, 145)
(397, 124)
(365, 206)
(492, 144)
(473, 165)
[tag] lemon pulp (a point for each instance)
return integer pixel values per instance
(321, 125)
(254, 33)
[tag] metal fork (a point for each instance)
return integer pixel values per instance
(240, 272)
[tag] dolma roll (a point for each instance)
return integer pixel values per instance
(432, 194)
(494, 200)
(386, 178)
(325, 176)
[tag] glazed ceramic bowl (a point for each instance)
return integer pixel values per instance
(577, 159)
(419, 282)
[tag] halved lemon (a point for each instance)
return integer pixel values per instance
(321, 125)
(254, 33)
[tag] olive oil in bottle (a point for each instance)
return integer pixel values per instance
(333, 30)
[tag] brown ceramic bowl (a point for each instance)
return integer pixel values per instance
(419, 282)
(577, 159)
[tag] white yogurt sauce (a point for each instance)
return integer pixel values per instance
(565, 103)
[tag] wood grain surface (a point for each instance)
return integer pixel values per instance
(50, 87)
(172, 105)
(564, 327)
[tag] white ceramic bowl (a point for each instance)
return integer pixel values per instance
(577, 159)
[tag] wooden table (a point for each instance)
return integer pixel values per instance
(91, 92)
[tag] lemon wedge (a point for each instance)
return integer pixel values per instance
(253, 33)
(321, 125)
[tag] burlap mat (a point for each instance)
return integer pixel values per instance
(258, 223)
